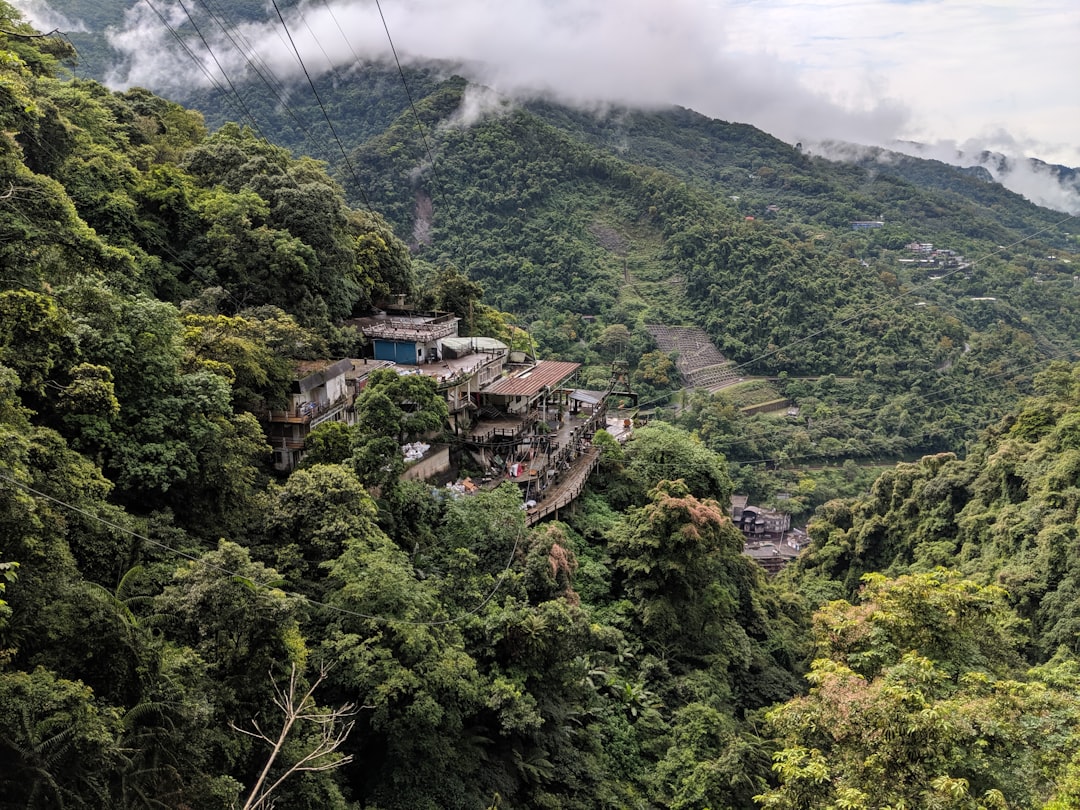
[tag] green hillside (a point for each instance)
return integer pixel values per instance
(537, 199)
(629, 218)
(182, 626)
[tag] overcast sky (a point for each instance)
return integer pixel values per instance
(1000, 74)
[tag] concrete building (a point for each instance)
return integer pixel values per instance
(322, 391)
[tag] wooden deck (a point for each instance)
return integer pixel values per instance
(564, 492)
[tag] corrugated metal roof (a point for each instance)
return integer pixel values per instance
(588, 397)
(533, 381)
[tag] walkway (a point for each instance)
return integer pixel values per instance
(566, 489)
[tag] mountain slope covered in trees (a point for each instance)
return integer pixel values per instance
(167, 601)
(579, 222)
(582, 222)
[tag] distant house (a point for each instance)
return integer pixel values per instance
(757, 523)
(866, 224)
(767, 534)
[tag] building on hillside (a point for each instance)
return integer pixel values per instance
(519, 419)
(767, 534)
(534, 389)
(321, 391)
(535, 429)
(468, 365)
(758, 524)
(866, 224)
(408, 339)
(770, 556)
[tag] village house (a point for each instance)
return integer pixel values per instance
(321, 391)
(767, 534)
(519, 419)
(428, 343)
(757, 523)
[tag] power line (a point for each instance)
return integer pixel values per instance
(191, 54)
(273, 585)
(265, 74)
(412, 106)
(319, 101)
(225, 74)
(244, 48)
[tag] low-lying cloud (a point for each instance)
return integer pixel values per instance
(635, 52)
(727, 60)
(46, 18)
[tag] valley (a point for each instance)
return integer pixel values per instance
(237, 373)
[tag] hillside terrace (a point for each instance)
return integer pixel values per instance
(699, 361)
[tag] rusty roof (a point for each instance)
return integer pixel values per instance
(532, 381)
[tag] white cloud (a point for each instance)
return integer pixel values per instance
(45, 18)
(636, 52)
(996, 74)
(965, 70)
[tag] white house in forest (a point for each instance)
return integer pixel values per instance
(322, 391)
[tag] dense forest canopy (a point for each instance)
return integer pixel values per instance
(180, 626)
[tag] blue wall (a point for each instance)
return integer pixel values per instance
(403, 353)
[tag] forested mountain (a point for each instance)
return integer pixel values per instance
(623, 218)
(181, 627)
(582, 224)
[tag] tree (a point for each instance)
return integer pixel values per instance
(8, 573)
(299, 714)
(231, 611)
(244, 351)
(35, 338)
(328, 443)
(58, 745)
(453, 291)
(663, 452)
(712, 762)
(415, 406)
(676, 555)
(312, 517)
(917, 698)
(614, 340)
(656, 370)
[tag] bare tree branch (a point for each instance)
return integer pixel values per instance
(331, 728)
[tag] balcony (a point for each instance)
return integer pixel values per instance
(405, 329)
(309, 413)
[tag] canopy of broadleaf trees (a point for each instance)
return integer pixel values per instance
(158, 586)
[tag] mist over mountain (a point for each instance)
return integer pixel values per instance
(1047, 184)
(635, 54)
